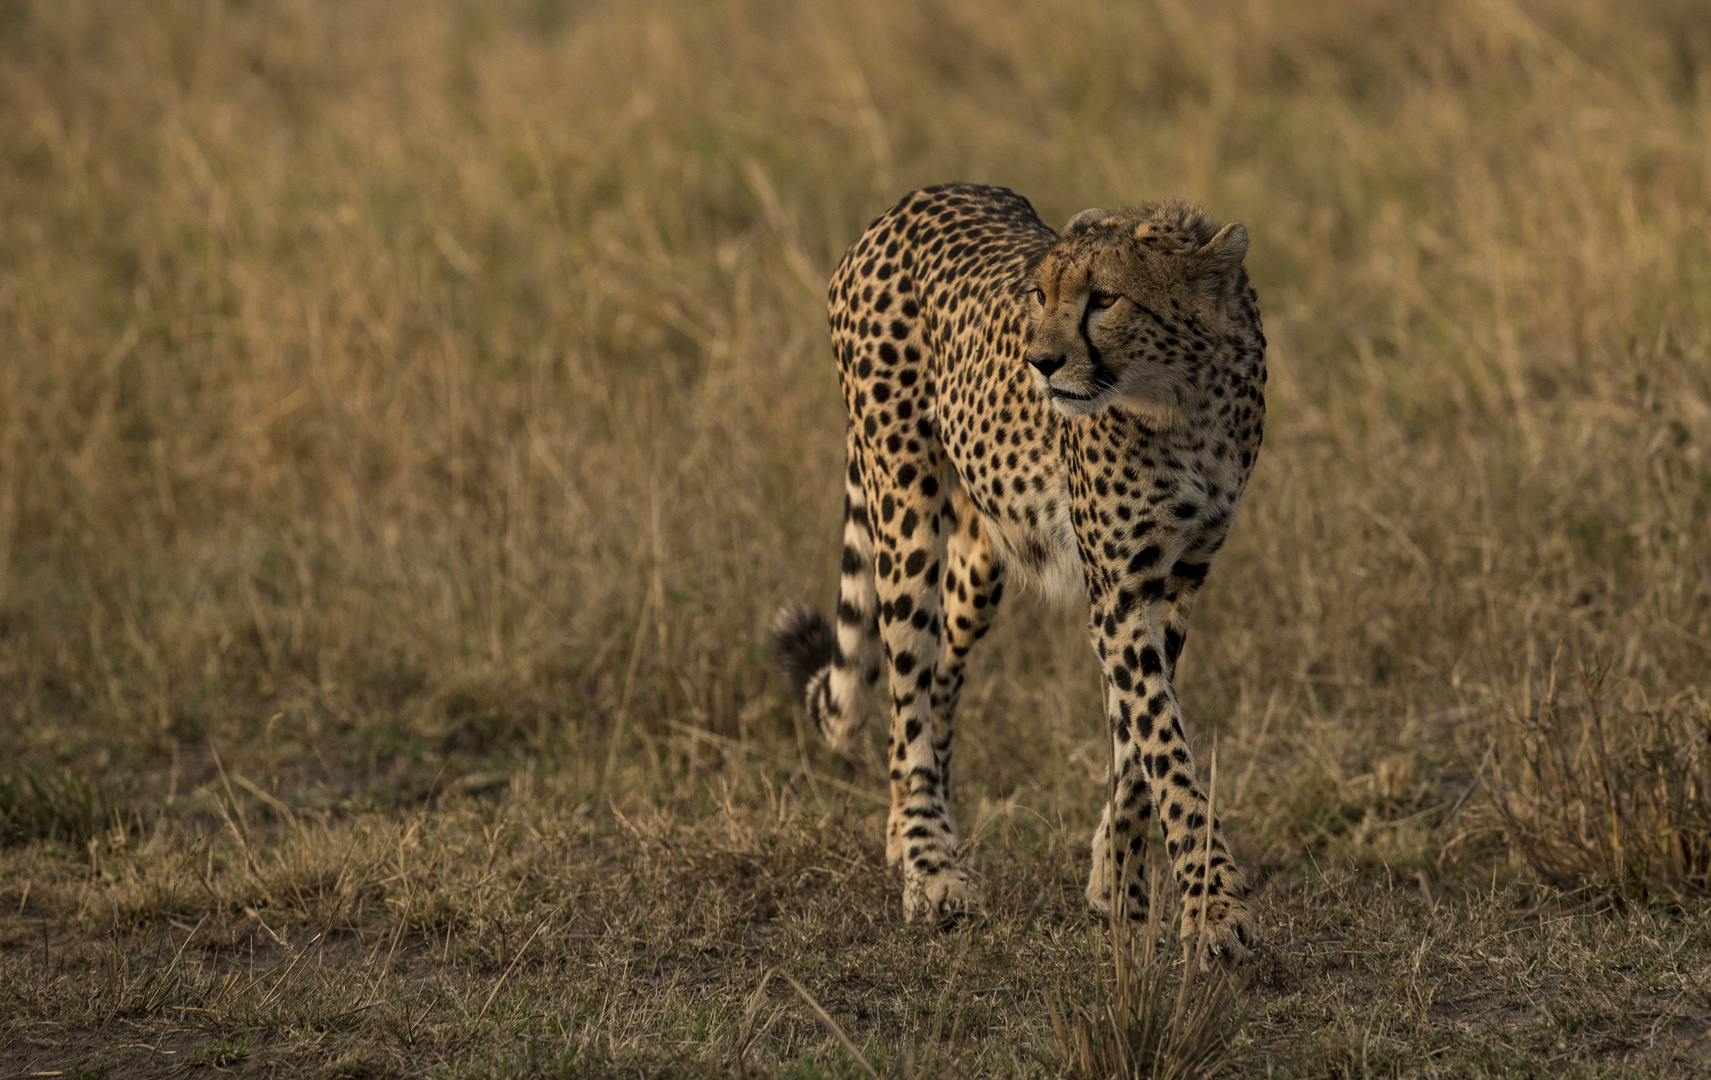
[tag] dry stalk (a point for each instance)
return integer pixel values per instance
(746, 1034)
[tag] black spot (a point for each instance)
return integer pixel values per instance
(1125, 603)
(1144, 558)
(1173, 639)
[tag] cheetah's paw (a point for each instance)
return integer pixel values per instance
(1230, 935)
(943, 896)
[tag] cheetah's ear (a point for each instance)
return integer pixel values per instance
(1223, 253)
(1085, 220)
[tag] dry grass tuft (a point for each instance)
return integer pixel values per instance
(1150, 1018)
(1614, 796)
(1146, 1022)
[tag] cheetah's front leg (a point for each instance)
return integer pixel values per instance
(1121, 857)
(1146, 726)
(1120, 848)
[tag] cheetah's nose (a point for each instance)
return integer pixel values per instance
(1044, 362)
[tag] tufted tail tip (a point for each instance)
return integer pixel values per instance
(803, 643)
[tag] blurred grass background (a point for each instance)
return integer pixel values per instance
(403, 380)
(420, 406)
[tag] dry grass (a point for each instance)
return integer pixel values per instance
(1149, 1020)
(421, 405)
(1614, 799)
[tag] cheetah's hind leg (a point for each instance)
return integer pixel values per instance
(831, 672)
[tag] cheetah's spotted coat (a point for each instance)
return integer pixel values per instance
(1080, 412)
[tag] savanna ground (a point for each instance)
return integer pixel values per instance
(409, 414)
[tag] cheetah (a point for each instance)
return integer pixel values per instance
(1076, 413)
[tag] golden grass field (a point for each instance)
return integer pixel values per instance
(409, 414)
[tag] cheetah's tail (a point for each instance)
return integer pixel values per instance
(821, 682)
(803, 644)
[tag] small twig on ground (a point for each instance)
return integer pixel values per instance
(514, 962)
(821, 1015)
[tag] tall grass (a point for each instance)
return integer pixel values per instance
(1610, 795)
(453, 377)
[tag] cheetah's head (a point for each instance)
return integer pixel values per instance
(1133, 307)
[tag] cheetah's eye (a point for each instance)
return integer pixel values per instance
(1037, 295)
(1103, 299)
